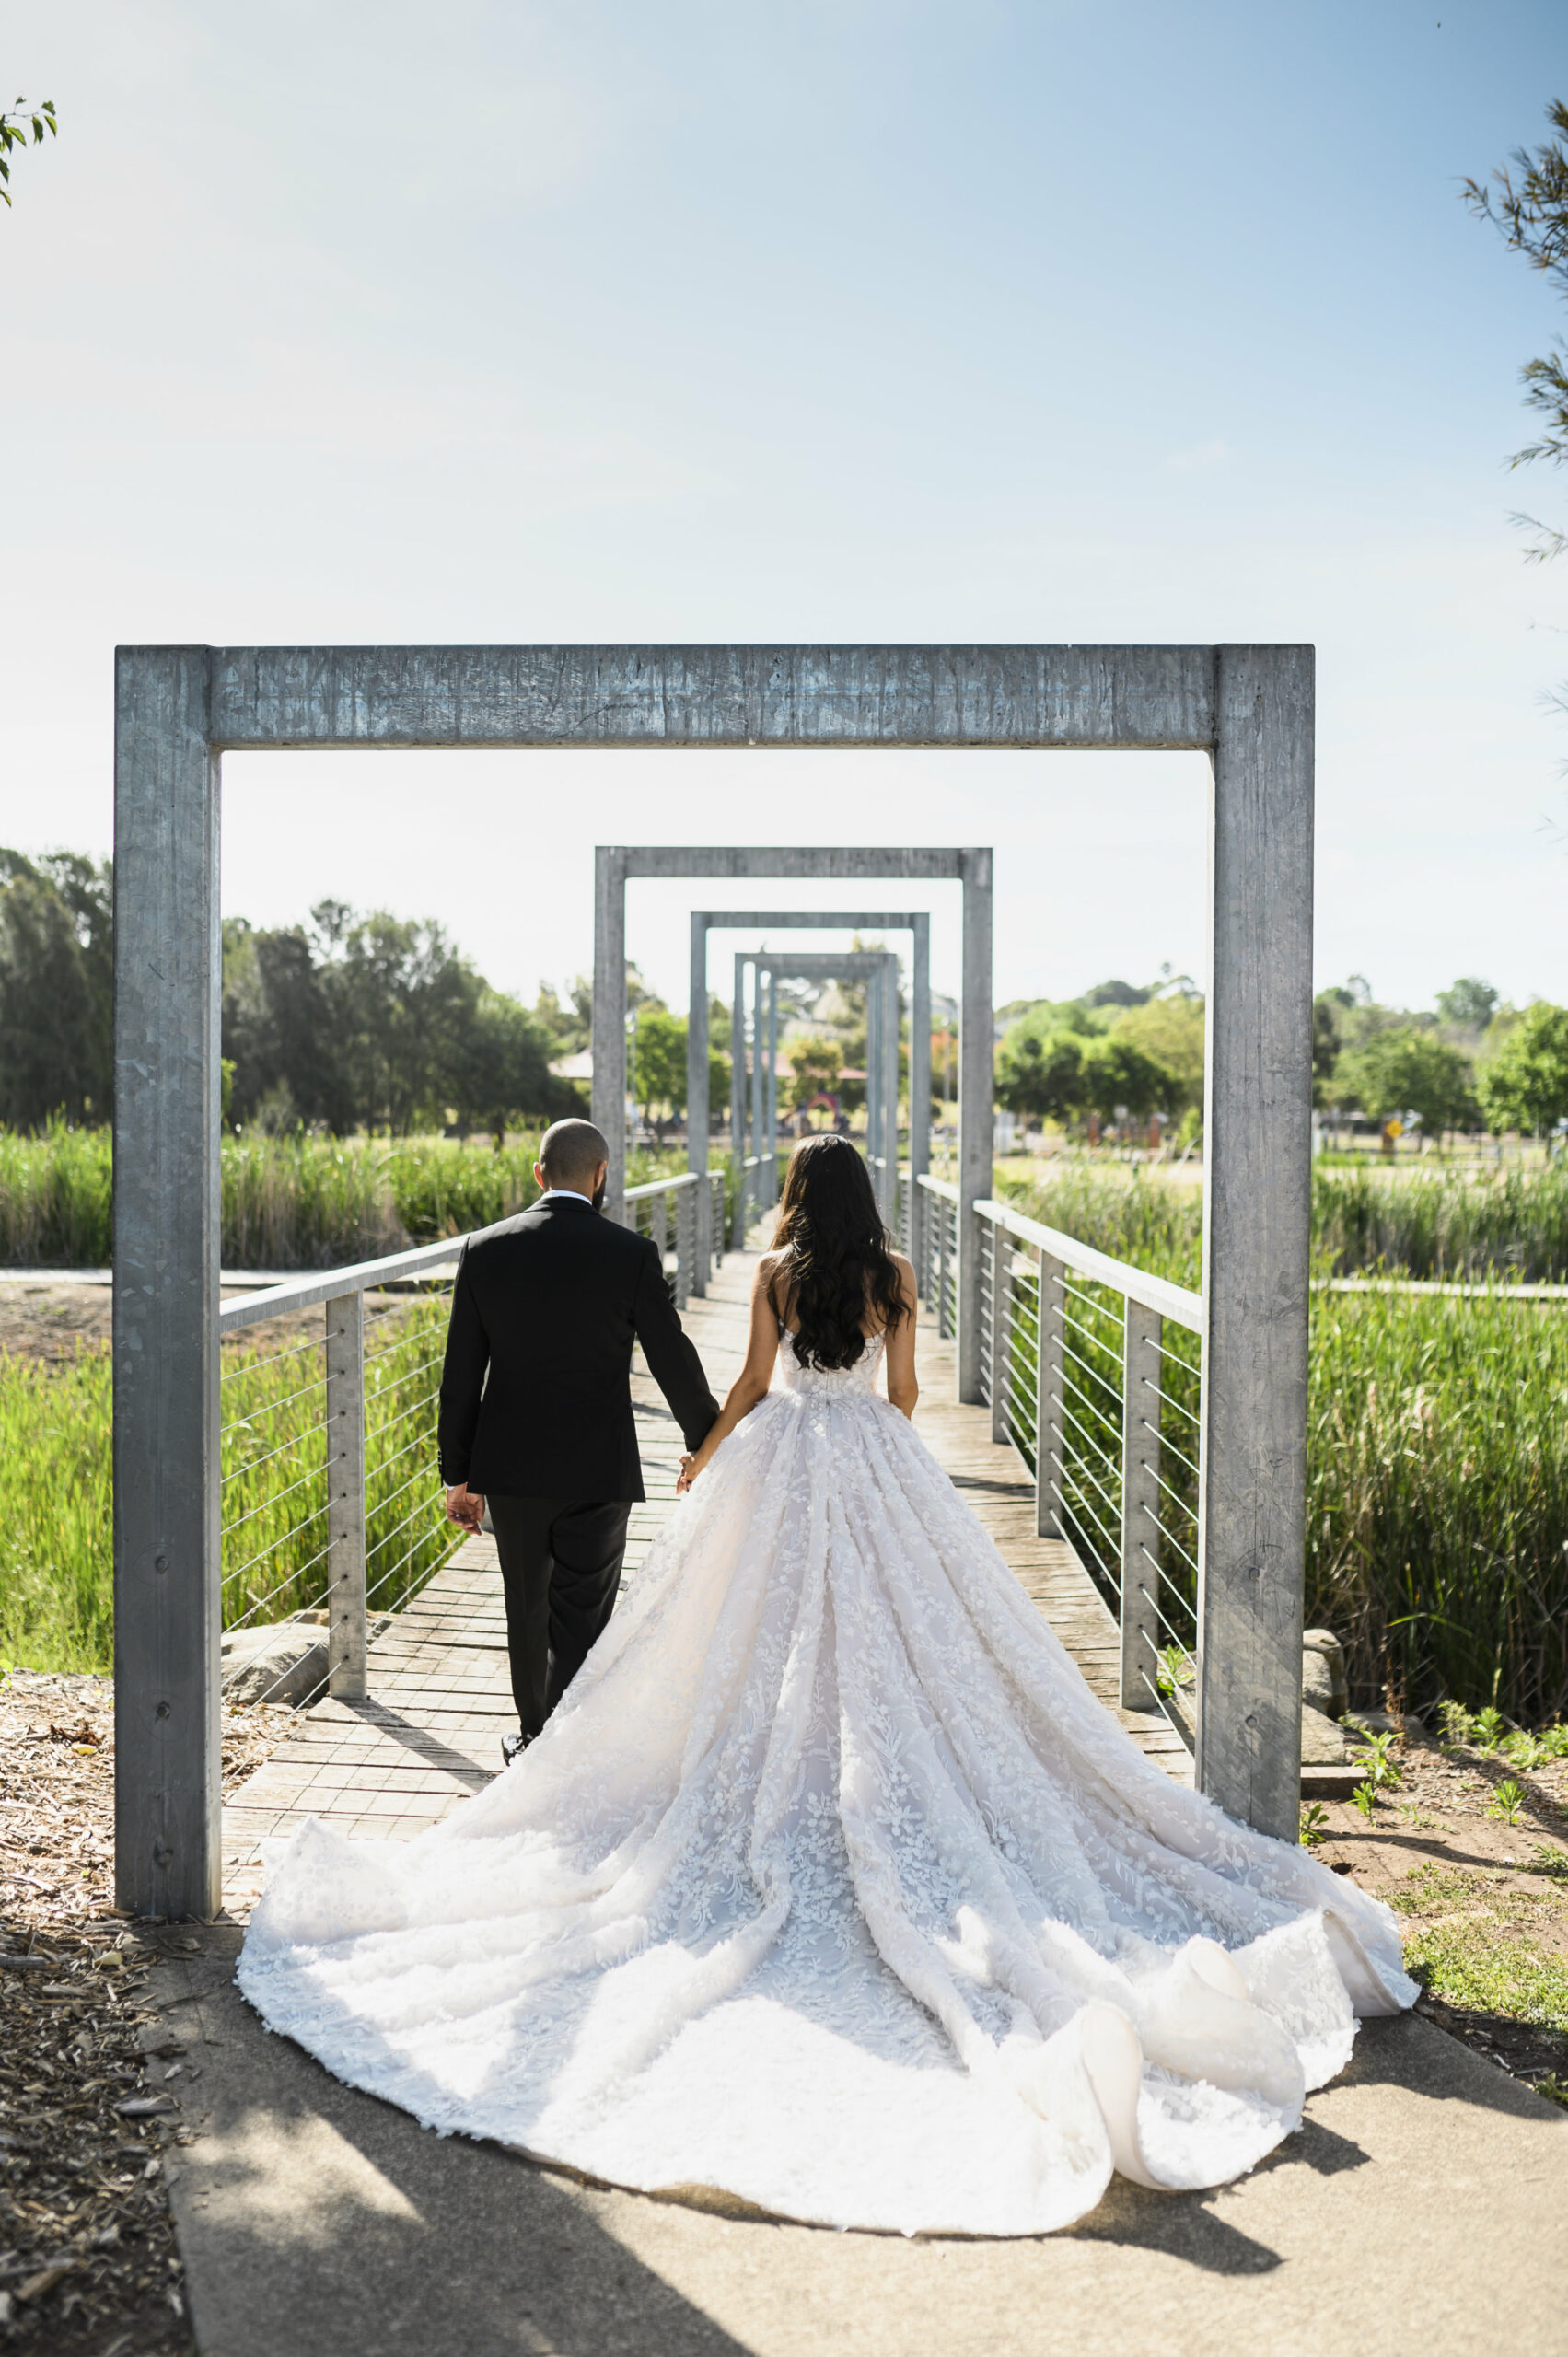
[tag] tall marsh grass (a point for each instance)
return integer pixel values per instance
(56, 1554)
(1438, 1445)
(1444, 1223)
(290, 1203)
(54, 1199)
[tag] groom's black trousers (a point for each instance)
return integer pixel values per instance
(560, 1570)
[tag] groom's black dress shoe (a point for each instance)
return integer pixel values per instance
(510, 1746)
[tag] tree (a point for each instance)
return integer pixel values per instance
(56, 989)
(1039, 1072)
(1326, 1044)
(1525, 1086)
(500, 1071)
(1116, 1071)
(1168, 1029)
(1115, 994)
(283, 1031)
(659, 1061)
(1404, 1070)
(816, 1064)
(15, 123)
(1529, 204)
(1467, 1004)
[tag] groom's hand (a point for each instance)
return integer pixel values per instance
(465, 1506)
(687, 1476)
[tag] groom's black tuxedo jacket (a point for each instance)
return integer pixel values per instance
(536, 1395)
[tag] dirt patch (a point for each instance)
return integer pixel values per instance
(52, 1323)
(1479, 1876)
(87, 2260)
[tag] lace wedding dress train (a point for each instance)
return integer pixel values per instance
(829, 1884)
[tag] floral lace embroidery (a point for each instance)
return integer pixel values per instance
(831, 1884)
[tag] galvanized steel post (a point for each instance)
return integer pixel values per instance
(347, 1638)
(1256, 1217)
(167, 969)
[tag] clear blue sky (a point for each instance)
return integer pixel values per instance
(339, 320)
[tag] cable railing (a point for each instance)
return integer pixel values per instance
(931, 1243)
(756, 1191)
(333, 1512)
(666, 1212)
(1090, 1369)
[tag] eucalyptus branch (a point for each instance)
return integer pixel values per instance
(15, 123)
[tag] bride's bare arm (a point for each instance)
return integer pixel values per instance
(751, 1384)
(903, 1389)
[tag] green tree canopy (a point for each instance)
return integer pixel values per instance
(659, 1058)
(1525, 1086)
(1117, 1072)
(1403, 1070)
(1038, 1072)
(1469, 1005)
(16, 121)
(1169, 1030)
(816, 1064)
(56, 989)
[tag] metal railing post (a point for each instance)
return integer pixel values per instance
(771, 1098)
(687, 1208)
(1142, 1333)
(939, 1266)
(1000, 1329)
(1051, 1385)
(346, 1635)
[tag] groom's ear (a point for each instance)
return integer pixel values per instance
(540, 1181)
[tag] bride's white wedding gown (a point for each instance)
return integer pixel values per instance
(829, 1884)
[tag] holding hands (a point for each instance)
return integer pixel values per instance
(465, 1506)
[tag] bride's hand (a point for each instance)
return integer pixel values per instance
(688, 1474)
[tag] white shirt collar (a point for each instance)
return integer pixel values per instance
(553, 1195)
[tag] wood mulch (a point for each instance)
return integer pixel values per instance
(88, 2266)
(87, 2261)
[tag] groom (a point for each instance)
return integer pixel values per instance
(536, 1408)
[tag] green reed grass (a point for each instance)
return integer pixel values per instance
(289, 1203)
(1437, 1496)
(56, 1561)
(54, 1199)
(1437, 1452)
(1444, 1223)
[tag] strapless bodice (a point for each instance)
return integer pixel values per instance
(858, 1381)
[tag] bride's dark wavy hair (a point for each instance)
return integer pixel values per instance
(833, 1262)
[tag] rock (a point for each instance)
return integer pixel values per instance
(283, 1663)
(1323, 1681)
(1322, 1743)
(1360, 1723)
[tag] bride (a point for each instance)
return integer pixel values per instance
(829, 1883)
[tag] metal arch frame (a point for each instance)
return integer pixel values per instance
(883, 1005)
(698, 1109)
(178, 709)
(617, 864)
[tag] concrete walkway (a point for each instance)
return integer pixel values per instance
(1422, 2204)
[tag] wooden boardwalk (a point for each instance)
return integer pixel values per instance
(430, 1733)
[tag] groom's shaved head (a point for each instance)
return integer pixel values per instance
(570, 1154)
